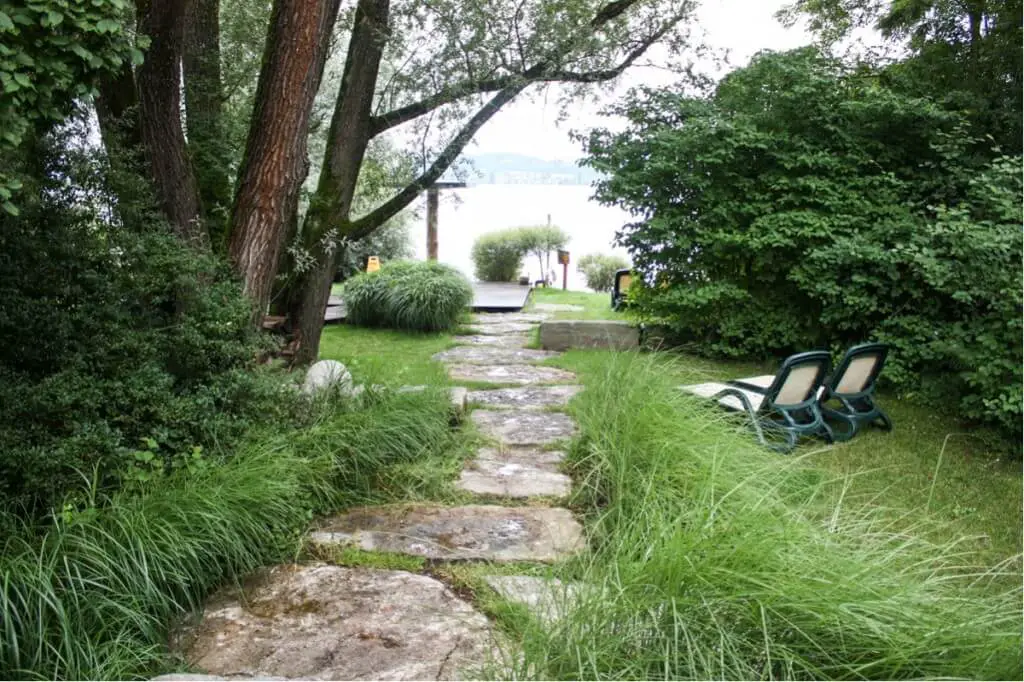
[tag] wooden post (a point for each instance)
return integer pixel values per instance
(432, 223)
(565, 276)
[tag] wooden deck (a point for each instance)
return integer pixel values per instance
(499, 297)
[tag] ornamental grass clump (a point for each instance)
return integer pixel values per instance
(408, 295)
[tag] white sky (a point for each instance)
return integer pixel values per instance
(739, 27)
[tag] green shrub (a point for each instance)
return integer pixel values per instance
(92, 595)
(599, 270)
(390, 242)
(408, 295)
(714, 559)
(825, 211)
(540, 241)
(498, 256)
(113, 331)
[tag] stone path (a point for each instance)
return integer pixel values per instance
(322, 621)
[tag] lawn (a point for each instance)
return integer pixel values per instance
(595, 306)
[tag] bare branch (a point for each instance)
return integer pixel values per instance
(368, 223)
(542, 71)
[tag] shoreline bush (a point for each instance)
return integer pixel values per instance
(599, 270)
(497, 256)
(408, 295)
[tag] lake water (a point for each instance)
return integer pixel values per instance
(465, 214)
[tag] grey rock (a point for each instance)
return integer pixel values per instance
(186, 677)
(499, 328)
(324, 622)
(558, 307)
(458, 396)
(486, 355)
(510, 374)
(506, 340)
(549, 599)
(491, 318)
(471, 532)
(605, 334)
(517, 472)
(525, 397)
(328, 374)
(524, 427)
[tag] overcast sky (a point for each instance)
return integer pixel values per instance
(740, 27)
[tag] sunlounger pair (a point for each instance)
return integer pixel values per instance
(806, 398)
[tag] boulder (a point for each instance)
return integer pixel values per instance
(329, 374)
(560, 335)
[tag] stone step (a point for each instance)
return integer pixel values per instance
(498, 328)
(515, 472)
(521, 375)
(486, 355)
(524, 427)
(324, 622)
(524, 398)
(549, 599)
(482, 532)
(493, 318)
(505, 340)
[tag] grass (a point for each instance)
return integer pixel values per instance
(927, 466)
(390, 357)
(712, 558)
(595, 306)
(92, 595)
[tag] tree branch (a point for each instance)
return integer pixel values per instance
(363, 226)
(542, 71)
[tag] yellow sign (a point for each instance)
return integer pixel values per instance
(563, 257)
(373, 264)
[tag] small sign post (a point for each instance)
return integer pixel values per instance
(563, 258)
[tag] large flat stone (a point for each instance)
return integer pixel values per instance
(525, 397)
(488, 355)
(323, 622)
(558, 307)
(471, 532)
(498, 328)
(510, 374)
(549, 599)
(606, 334)
(524, 427)
(492, 318)
(517, 472)
(508, 340)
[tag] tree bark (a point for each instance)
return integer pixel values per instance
(346, 146)
(275, 161)
(117, 110)
(159, 85)
(204, 115)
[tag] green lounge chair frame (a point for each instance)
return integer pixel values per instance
(618, 294)
(791, 420)
(856, 408)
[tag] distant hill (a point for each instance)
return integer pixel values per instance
(518, 169)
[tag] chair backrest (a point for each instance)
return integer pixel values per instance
(623, 278)
(859, 369)
(799, 378)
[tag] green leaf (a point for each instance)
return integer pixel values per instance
(107, 26)
(10, 208)
(5, 22)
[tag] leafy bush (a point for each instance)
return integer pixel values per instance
(410, 295)
(713, 561)
(498, 256)
(817, 209)
(540, 241)
(390, 242)
(112, 332)
(599, 270)
(92, 595)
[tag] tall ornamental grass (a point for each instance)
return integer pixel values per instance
(714, 559)
(408, 295)
(92, 596)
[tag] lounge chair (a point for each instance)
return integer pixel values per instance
(851, 385)
(785, 404)
(623, 278)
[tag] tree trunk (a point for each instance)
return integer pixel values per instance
(159, 85)
(117, 110)
(204, 115)
(275, 162)
(346, 147)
